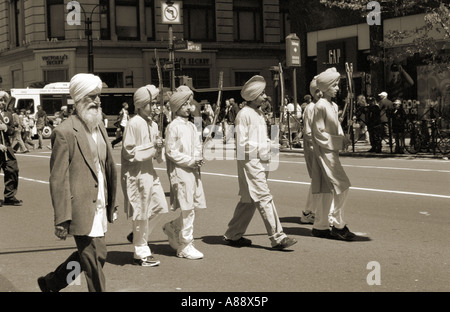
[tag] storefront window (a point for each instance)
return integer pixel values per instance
(56, 75)
(127, 20)
(285, 22)
(150, 19)
(247, 15)
(199, 19)
(112, 79)
(55, 19)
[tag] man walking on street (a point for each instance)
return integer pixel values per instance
(83, 183)
(253, 149)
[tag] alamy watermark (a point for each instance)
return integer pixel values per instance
(374, 16)
(374, 276)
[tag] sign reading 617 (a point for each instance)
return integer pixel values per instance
(170, 13)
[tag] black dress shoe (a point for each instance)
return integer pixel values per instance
(342, 234)
(321, 233)
(241, 242)
(12, 201)
(43, 284)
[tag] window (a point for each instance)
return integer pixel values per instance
(127, 20)
(149, 19)
(112, 79)
(240, 78)
(285, 21)
(56, 19)
(105, 30)
(56, 75)
(199, 20)
(247, 15)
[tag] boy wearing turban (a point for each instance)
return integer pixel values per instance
(83, 182)
(329, 180)
(253, 154)
(184, 159)
(144, 199)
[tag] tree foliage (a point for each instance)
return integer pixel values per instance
(422, 39)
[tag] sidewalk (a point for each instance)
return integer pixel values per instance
(361, 150)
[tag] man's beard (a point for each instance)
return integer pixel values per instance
(91, 117)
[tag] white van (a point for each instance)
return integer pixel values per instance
(56, 95)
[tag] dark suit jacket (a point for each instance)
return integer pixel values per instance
(73, 178)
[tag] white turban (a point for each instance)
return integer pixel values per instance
(144, 95)
(253, 88)
(178, 98)
(4, 95)
(327, 78)
(84, 84)
(313, 86)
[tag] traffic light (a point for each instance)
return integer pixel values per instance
(292, 51)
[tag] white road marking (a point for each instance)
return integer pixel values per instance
(300, 182)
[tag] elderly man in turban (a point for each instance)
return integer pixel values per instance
(184, 159)
(329, 180)
(83, 182)
(253, 154)
(143, 194)
(8, 161)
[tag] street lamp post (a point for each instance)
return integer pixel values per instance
(88, 34)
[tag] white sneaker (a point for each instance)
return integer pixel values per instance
(169, 230)
(307, 217)
(190, 252)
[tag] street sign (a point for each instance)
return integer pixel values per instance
(194, 47)
(189, 46)
(168, 66)
(180, 45)
(292, 51)
(170, 14)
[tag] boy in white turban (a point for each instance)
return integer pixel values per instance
(253, 154)
(184, 159)
(143, 194)
(329, 180)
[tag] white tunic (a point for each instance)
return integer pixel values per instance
(183, 148)
(143, 193)
(327, 138)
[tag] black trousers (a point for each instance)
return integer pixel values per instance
(91, 255)
(8, 163)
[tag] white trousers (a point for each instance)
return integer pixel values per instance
(141, 231)
(329, 209)
(184, 226)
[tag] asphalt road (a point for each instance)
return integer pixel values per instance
(399, 207)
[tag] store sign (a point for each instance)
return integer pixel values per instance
(55, 60)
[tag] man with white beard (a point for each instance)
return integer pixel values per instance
(83, 183)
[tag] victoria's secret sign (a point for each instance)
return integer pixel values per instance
(50, 60)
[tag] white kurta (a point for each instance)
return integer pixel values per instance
(183, 148)
(143, 193)
(327, 137)
(252, 145)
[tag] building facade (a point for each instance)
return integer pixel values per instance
(44, 41)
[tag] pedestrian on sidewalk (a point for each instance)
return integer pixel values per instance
(184, 157)
(398, 126)
(253, 156)
(328, 176)
(144, 199)
(83, 182)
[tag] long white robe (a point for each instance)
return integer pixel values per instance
(143, 193)
(183, 148)
(327, 138)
